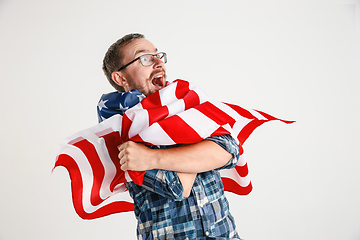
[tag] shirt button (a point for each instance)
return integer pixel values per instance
(207, 233)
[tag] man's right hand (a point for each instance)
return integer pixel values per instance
(135, 156)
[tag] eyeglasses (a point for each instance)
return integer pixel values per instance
(147, 59)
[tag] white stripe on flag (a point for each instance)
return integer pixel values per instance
(86, 175)
(156, 135)
(201, 94)
(241, 121)
(176, 107)
(202, 124)
(257, 114)
(232, 174)
(167, 95)
(240, 124)
(109, 167)
(114, 122)
(139, 118)
(103, 154)
(87, 180)
(242, 160)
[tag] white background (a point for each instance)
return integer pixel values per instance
(297, 60)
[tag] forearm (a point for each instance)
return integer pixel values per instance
(227, 143)
(194, 158)
(186, 160)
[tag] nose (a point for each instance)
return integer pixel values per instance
(158, 63)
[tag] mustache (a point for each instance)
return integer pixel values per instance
(156, 72)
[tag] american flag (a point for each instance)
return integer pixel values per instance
(180, 113)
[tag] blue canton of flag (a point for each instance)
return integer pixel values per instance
(117, 103)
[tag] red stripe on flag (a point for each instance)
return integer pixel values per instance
(220, 131)
(97, 169)
(137, 177)
(126, 124)
(112, 141)
(182, 88)
(215, 114)
(243, 171)
(111, 208)
(191, 99)
(77, 192)
(156, 114)
(248, 129)
(137, 138)
(243, 112)
(231, 186)
(274, 118)
(151, 101)
(76, 180)
(183, 92)
(172, 125)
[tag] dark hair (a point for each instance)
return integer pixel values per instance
(113, 57)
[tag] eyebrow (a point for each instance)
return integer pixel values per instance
(143, 51)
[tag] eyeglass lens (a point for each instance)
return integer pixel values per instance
(148, 59)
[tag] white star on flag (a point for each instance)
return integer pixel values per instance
(102, 104)
(123, 108)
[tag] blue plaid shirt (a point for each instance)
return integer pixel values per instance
(163, 213)
(160, 208)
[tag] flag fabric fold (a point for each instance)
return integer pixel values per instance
(180, 113)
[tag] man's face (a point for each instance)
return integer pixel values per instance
(146, 79)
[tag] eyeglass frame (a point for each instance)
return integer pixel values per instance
(153, 55)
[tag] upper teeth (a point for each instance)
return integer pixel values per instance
(158, 76)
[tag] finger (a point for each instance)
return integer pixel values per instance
(122, 159)
(121, 147)
(121, 154)
(124, 167)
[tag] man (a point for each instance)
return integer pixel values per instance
(182, 196)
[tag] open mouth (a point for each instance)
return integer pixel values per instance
(158, 81)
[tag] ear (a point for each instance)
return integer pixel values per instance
(119, 79)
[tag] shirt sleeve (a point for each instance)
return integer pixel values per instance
(164, 183)
(229, 144)
(167, 183)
